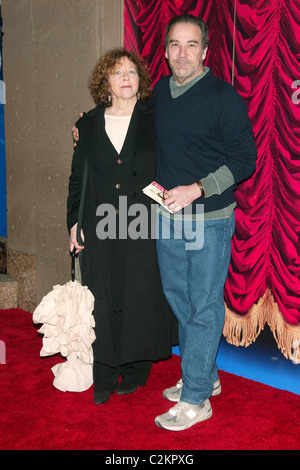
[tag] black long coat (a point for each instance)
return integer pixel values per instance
(122, 275)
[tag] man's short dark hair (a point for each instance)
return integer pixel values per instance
(187, 18)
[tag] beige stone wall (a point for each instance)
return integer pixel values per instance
(49, 50)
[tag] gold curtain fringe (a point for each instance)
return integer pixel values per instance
(243, 330)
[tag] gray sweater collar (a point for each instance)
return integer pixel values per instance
(178, 90)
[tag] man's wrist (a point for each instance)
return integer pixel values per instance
(201, 188)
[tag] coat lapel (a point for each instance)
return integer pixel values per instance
(139, 123)
(96, 137)
(95, 127)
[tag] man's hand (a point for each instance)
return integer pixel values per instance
(181, 196)
(73, 240)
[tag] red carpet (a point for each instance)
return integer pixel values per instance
(36, 416)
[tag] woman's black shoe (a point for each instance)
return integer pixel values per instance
(126, 389)
(101, 397)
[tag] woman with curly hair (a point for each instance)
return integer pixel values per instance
(133, 323)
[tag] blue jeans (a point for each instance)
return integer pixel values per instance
(193, 282)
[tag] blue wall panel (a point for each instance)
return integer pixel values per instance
(3, 223)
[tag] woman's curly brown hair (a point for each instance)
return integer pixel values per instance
(98, 83)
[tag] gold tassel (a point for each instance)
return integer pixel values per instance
(286, 335)
(243, 330)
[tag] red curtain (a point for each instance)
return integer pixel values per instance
(256, 46)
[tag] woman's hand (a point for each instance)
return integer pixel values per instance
(73, 240)
(75, 133)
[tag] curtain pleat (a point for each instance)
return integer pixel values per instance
(263, 284)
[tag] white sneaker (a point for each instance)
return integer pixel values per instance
(174, 393)
(183, 415)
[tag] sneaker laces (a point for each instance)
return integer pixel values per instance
(181, 406)
(179, 384)
(186, 408)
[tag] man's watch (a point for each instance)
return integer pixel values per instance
(201, 187)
